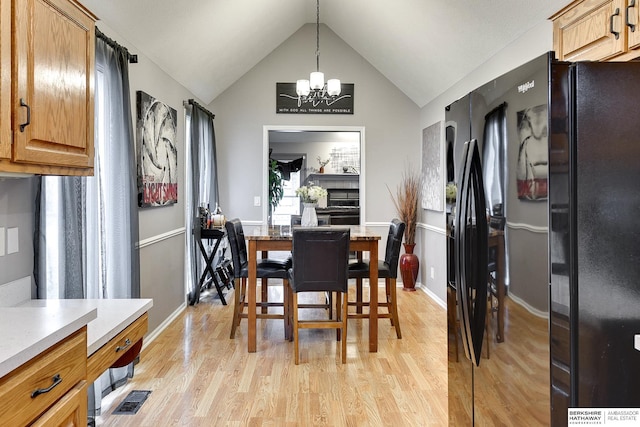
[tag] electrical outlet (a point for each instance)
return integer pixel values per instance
(256, 200)
(433, 272)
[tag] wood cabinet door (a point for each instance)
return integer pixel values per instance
(54, 83)
(69, 411)
(633, 23)
(590, 30)
(5, 79)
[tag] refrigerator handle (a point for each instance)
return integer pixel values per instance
(462, 205)
(471, 253)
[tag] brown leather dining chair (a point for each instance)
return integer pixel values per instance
(266, 269)
(320, 263)
(387, 269)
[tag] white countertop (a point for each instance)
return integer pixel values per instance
(26, 332)
(35, 325)
(114, 315)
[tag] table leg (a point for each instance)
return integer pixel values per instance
(252, 284)
(373, 297)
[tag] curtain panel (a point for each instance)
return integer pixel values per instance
(201, 182)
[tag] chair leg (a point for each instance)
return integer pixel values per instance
(359, 296)
(265, 294)
(294, 298)
(338, 309)
(285, 307)
(393, 305)
(387, 294)
(344, 298)
(238, 305)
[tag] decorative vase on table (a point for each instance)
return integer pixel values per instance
(309, 217)
(409, 265)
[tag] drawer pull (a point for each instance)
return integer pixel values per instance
(127, 343)
(56, 380)
(611, 30)
(28, 122)
(631, 26)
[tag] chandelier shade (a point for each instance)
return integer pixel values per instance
(303, 88)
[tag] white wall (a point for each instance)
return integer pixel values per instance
(16, 210)
(432, 231)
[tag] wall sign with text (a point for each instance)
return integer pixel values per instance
(288, 102)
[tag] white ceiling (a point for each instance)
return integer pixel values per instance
(422, 46)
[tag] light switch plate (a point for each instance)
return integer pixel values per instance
(12, 240)
(2, 242)
(637, 342)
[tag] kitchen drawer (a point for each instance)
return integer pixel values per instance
(66, 360)
(69, 411)
(103, 358)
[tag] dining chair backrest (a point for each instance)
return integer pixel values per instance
(235, 236)
(320, 260)
(322, 219)
(394, 243)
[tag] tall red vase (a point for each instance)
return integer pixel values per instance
(409, 265)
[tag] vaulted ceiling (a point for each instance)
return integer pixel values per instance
(421, 46)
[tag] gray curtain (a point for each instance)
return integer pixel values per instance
(202, 187)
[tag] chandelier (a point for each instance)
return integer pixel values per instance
(315, 86)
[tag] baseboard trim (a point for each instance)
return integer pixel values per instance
(148, 339)
(433, 296)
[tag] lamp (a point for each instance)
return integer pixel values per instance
(315, 86)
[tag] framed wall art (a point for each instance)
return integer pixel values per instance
(157, 154)
(432, 186)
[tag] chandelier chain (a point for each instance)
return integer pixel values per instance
(317, 35)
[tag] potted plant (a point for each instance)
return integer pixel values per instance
(406, 201)
(276, 187)
(322, 164)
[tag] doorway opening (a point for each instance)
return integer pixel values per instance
(341, 147)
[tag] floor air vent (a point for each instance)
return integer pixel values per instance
(132, 403)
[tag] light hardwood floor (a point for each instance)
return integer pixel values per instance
(200, 377)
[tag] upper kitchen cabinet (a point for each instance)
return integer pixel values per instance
(47, 50)
(5, 78)
(595, 30)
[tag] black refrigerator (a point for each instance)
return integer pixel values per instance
(547, 157)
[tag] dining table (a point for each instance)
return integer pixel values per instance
(263, 239)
